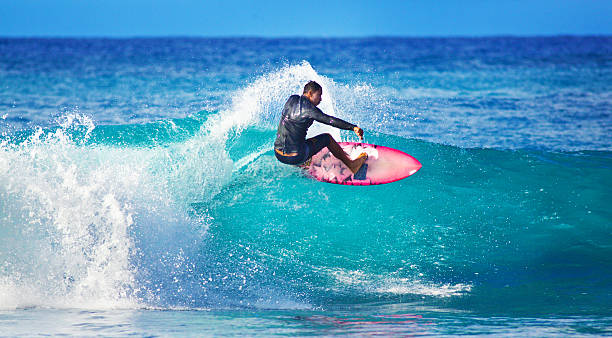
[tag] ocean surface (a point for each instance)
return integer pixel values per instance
(139, 194)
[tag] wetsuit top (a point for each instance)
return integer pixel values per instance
(298, 115)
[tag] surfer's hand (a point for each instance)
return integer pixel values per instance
(359, 133)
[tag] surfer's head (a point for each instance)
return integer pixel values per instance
(313, 91)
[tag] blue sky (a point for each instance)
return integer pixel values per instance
(309, 18)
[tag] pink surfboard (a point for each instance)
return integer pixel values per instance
(384, 165)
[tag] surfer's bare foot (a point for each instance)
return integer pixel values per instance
(358, 162)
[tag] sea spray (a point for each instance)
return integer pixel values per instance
(65, 223)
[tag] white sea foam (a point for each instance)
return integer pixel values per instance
(379, 284)
(71, 213)
(65, 223)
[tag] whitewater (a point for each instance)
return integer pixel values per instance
(139, 193)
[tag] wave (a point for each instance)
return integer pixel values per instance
(197, 213)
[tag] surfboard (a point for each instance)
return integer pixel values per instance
(384, 165)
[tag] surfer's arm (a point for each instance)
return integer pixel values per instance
(319, 116)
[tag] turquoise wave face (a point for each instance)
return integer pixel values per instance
(196, 213)
(182, 213)
(477, 229)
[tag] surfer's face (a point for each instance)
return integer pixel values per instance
(314, 97)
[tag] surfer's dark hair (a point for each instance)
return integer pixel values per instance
(312, 86)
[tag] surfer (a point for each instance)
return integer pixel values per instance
(291, 145)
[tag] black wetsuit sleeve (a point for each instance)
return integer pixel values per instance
(319, 116)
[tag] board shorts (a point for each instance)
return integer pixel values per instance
(309, 148)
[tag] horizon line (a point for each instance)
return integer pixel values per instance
(306, 37)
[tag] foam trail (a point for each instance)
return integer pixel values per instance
(241, 163)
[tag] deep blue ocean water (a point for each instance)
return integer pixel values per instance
(139, 194)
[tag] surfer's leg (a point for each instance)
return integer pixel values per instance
(337, 151)
(315, 144)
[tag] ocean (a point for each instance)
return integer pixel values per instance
(139, 194)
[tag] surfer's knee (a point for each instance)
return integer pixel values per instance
(323, 139)
(328, 138)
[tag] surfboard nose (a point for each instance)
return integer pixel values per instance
(411, 164)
